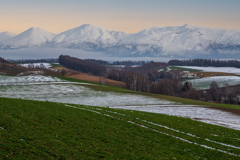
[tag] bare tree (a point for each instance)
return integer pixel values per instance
(214, 91)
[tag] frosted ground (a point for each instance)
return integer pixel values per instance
(53, 89)
(204, 83)
(203, 114)
(56, 90)
(46, 65)
(215, 69)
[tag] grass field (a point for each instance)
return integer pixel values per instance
(101, 87)
(56, 65)
(184, 69)
(46, 130)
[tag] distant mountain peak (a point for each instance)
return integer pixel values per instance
(85, 33)
(6, 35)
(35, 29)
(166, 41)
(31, 37)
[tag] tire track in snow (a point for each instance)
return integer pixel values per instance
(189, 134)
(158, 131)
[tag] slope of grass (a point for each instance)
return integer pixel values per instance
(45, 130)
(56, 65)
(107, 88)
(184, 69)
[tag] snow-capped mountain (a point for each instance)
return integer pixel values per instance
(4, 36)
(180, 40)
(85, 33)
(184, 40)
(31, 37)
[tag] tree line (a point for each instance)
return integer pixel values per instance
(131, 62)
(151, 77)
(205, 63)
(99, 62)
(12, 68)
(48, 60)
(81, 65)
(170, 83)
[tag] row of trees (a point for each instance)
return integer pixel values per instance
(82, 65)
(169, 83)
(226, 94)
(205, 62)
(99, 62)
(149, 67)
(2, 60)
(49, 60)
(12, 68)
(149, 78)
(131, 62)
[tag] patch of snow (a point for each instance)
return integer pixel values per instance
(56, 90)
(203, 114)
(36, 65)
(5, 80)
(215, 69)
(167, 134)
(204, 83)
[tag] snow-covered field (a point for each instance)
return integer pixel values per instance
(215, 69)
(204, 83)
(56, 90)
(16, 80)
(35, 65)
(202, 114)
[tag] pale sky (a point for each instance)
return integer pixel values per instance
(129, 16)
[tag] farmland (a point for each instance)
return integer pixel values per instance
(32, 130)
(75, 119)
(204, 83)
(54, 89)
(221, 75)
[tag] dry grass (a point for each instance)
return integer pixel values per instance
(96, 79)
(86, 77)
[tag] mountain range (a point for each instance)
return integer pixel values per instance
(182, 41)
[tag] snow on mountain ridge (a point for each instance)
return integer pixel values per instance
(153, 41)
(85, 33)
(31, 37)
(6, 35)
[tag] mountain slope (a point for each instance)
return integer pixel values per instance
(180, 39)
(30, 37)
(85, 33)
(6, 35)
(184, 41)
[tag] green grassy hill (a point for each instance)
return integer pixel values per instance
(46, 130)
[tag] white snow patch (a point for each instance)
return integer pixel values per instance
(56, 90)
(204, 83)
(215, 69)
(164, 133)
(36, 65)
(203, 114)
